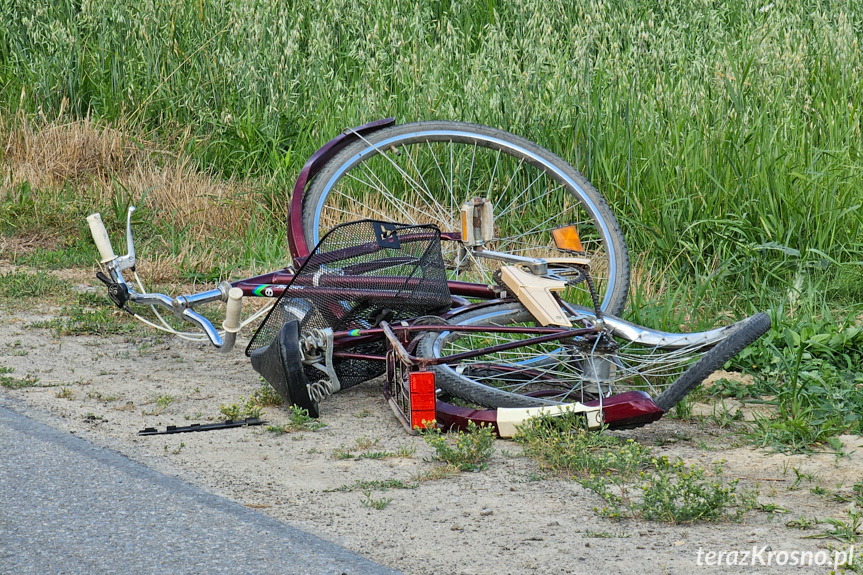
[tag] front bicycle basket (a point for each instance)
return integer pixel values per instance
(359, 274)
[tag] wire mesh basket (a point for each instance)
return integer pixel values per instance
(359, 274)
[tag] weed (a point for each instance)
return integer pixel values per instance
(232, 411)
(405, 451)
(83, 321)
(14, 348)
(771, 508)
(374, 455)
(372, 503)
(299, 421)
(364, 443)
(10, 382)
(19, 285)
(468, 451)
(266, 396)
(631, 480)
(342, 452)
(799, 477)
(164, 400)
(436, 473)
(848, 530)
(65, 393)
(606, 535)
(375, 484)
(801, 523)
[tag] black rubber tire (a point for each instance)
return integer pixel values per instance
(753, 328)
(520, 150)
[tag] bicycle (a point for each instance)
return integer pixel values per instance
(508, 334)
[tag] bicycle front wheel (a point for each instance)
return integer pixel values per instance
(666, 366)
(423, 172)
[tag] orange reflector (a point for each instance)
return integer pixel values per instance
(466, 233)
(566, 238)
(422, 398)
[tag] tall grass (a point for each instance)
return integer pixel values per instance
(725, 135)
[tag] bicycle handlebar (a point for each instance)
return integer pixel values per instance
(180, 305)
(100, 236)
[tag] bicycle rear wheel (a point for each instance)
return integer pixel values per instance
(423, 172)
(666, 366)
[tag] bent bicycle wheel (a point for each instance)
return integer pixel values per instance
(423, 172)
(664, 365)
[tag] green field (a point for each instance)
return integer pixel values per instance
(725, 136)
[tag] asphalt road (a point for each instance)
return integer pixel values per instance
(69, 506)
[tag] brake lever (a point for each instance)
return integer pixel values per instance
(127, 261)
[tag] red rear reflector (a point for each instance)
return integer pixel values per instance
(422, 398)
(422, 382)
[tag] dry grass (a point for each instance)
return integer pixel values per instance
(98, 161)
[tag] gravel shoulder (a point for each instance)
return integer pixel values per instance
(510, 518)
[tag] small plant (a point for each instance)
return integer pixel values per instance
(632, 481)
(266, 396)
(164, 400)
(376, 455)
(468, 452)
(801, 523)
(65, 393)
(231, 411)
(372, 503)
(378, 484)
(299, 421)
(848, 530)
(676, 493)
(364, 443)
(252, 409)
(405, 451)
(436, 473)
(246, 409)
(15, 349)
(342, 452)
(10, 382)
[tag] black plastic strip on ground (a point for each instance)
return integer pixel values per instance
(198, 427)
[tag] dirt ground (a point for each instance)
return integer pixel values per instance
(508, 518)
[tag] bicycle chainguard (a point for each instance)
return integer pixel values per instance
(281, 364)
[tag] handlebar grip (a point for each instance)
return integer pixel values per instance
(234, 308)
(100, 236)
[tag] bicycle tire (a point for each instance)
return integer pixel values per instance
(747, 333)
(422, 172)
(666, 373)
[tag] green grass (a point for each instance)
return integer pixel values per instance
(630, 479)
(375, 484)
(18, 285)
(727, 141)
(88, 321)
(465, 451)
(10, 382)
